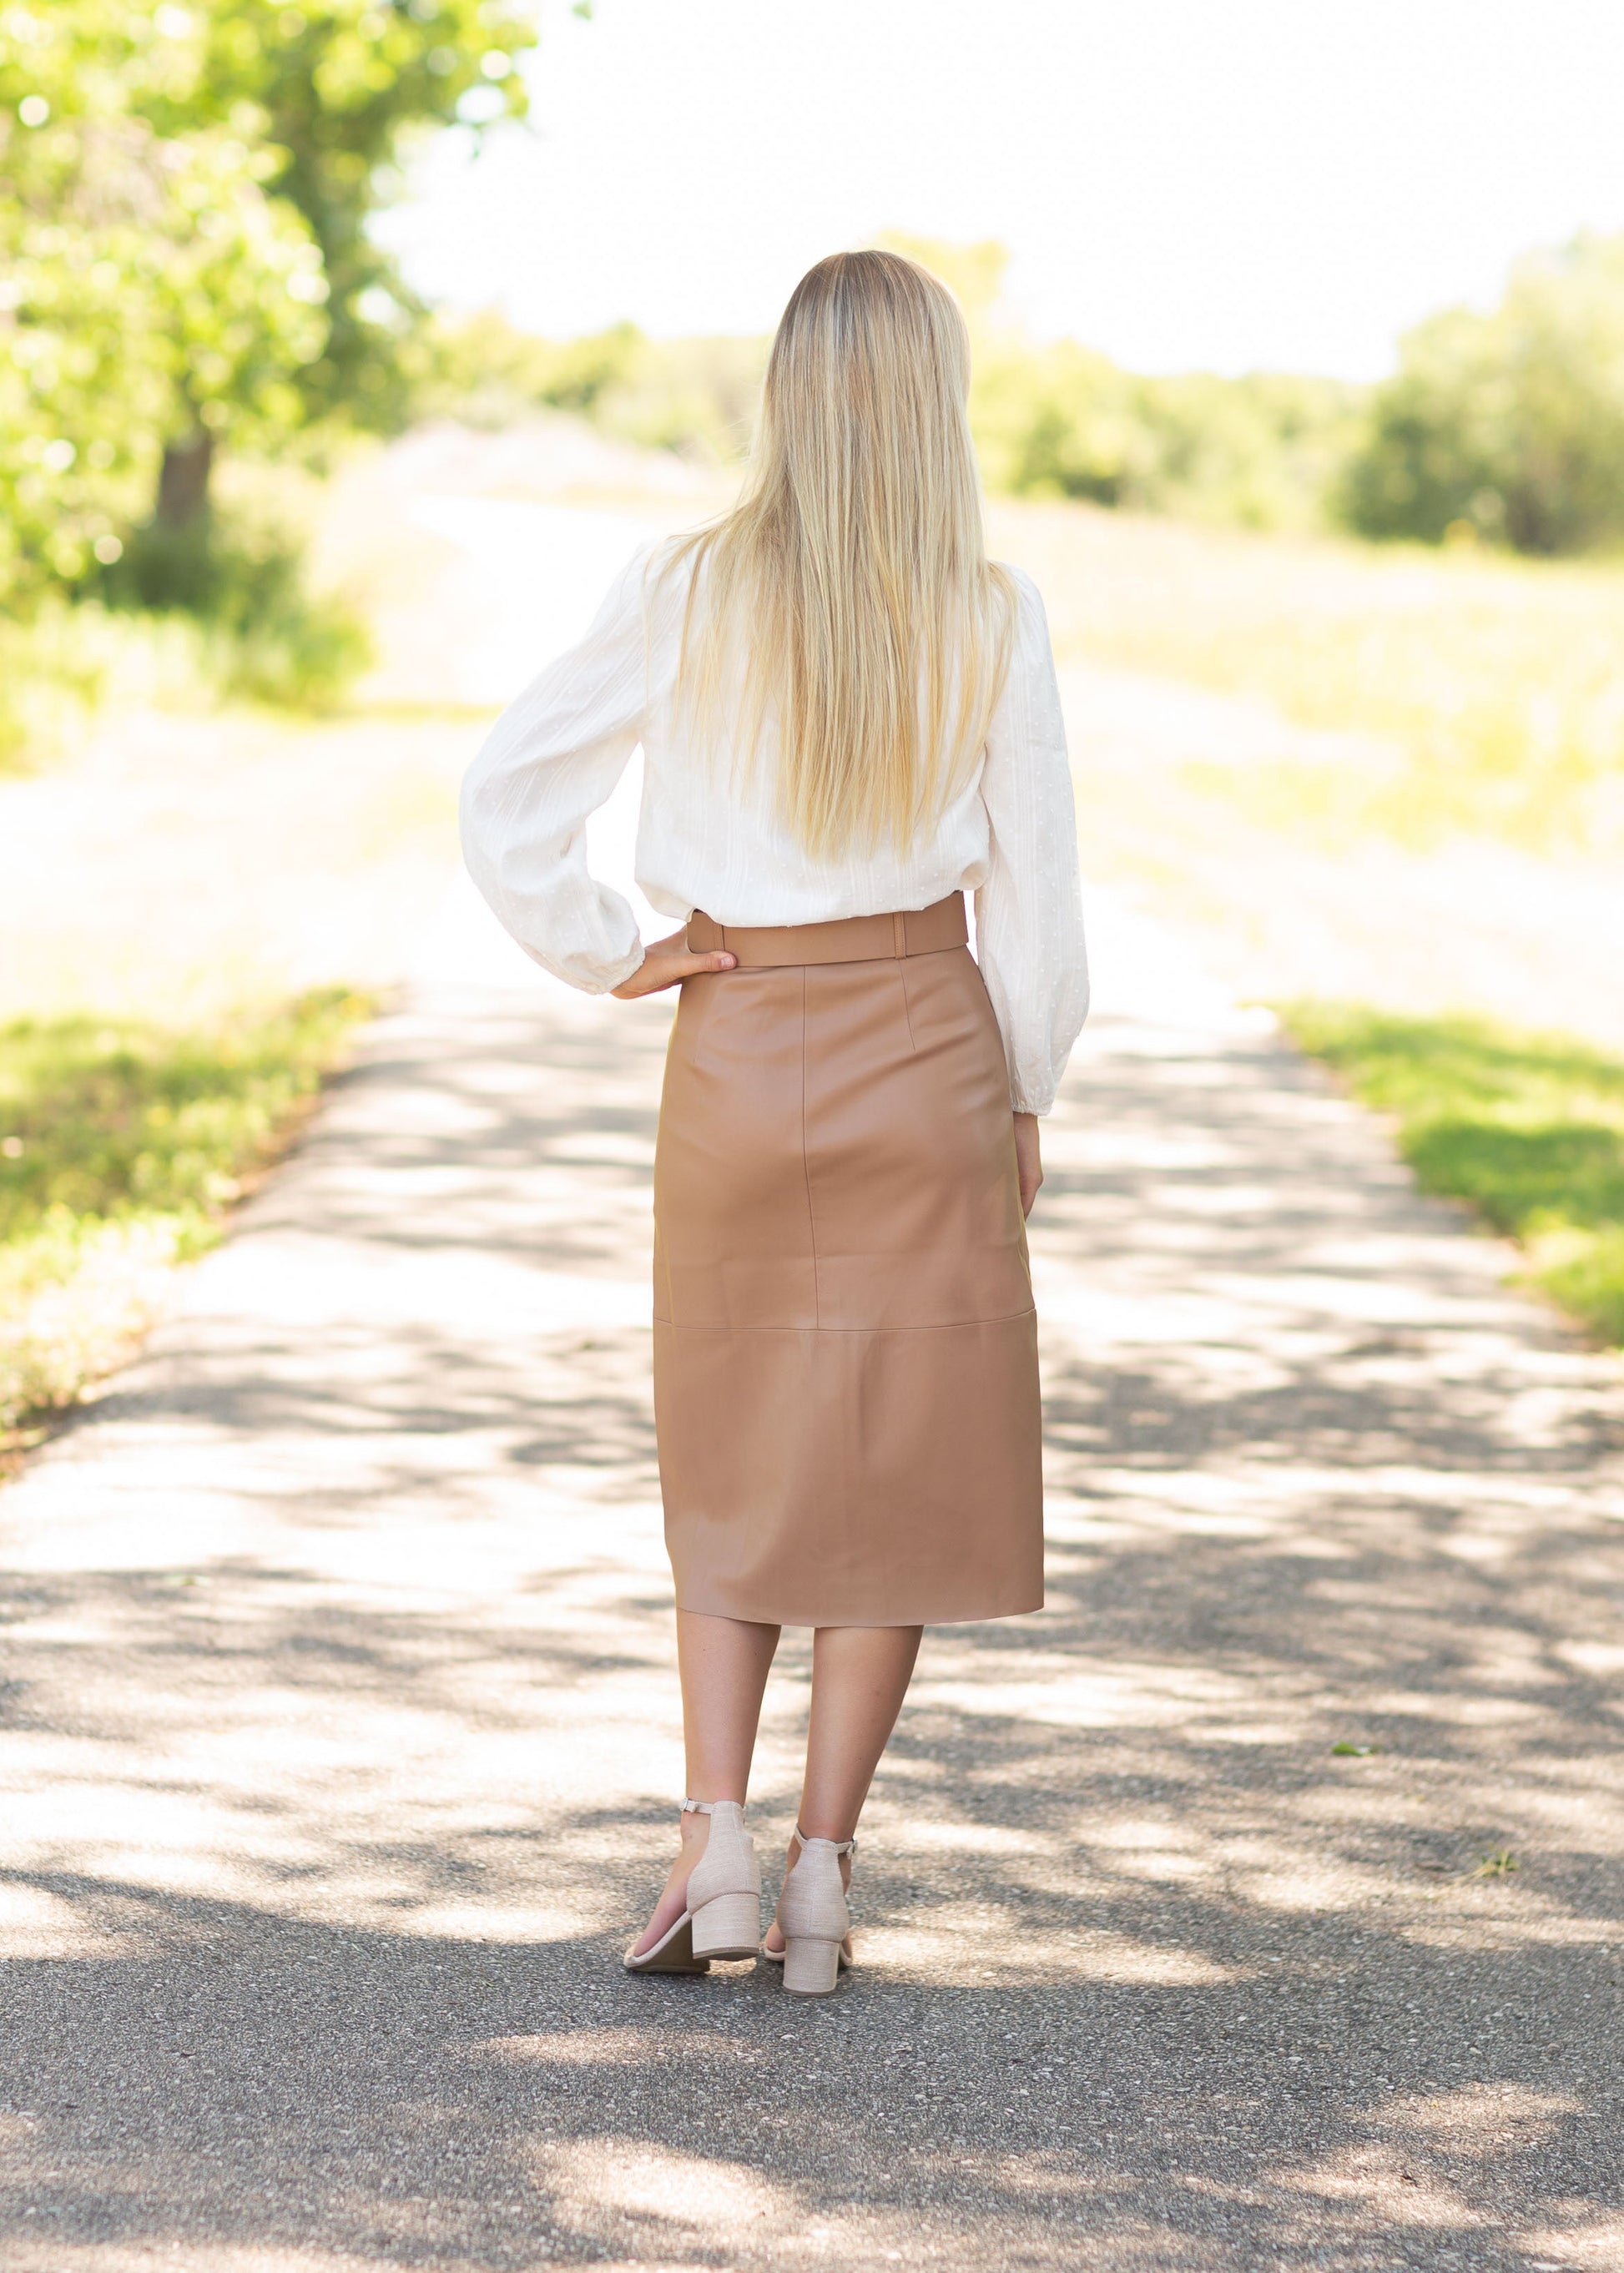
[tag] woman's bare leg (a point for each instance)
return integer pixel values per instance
(860, 1678)
(725, 1663)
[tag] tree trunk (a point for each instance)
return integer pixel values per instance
(183, 480)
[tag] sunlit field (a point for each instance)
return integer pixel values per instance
(1496, 684)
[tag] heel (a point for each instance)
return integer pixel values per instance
(811, 1969)
(813, 1912)
(728, 1925)
(722, 1915)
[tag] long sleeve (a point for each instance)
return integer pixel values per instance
(552, 758)
(1028, 914)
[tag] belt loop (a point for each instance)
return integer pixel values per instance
(721, 936)
(899, 928)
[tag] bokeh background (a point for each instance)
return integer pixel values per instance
(347, 346)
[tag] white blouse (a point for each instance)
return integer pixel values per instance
(707, 840)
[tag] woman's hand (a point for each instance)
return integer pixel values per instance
(1029, 1164)
(667, 963)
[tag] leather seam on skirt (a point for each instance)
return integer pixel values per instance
(907, 1007)
(805, 1164)
(938, 1326)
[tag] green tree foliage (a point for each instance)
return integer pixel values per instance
(333, 90)
(184, 195)
(1509, 425)
(149, 285)
(1061, 420)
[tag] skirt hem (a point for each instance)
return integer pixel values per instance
(938, 1617)
(812, 1326)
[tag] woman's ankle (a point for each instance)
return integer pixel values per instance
(791, 1855)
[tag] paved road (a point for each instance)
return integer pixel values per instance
(341, 1744)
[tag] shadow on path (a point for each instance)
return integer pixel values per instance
(341, 1738)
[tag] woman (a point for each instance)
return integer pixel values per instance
(849, 718)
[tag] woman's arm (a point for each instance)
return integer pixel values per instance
(1028, 914)
(1028, 1160)
(668, 962)
(552, 758)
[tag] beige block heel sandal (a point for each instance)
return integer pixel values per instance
(723, 1916)
(814, 1920)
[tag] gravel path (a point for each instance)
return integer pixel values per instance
(341, 1743)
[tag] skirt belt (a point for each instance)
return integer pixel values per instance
(848, 939)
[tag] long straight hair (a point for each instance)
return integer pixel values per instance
(847, 598)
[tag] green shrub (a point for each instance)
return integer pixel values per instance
(181, 621)
(1259, 452)
(243, 576)
(695, 397)
(1507, 426)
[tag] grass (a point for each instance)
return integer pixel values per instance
(122, 1146)
(69, 663)
(1496, 685)
(66, 663)
(230, 614)
(1527, 1128)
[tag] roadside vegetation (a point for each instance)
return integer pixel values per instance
(1529, 1128)
(122, 1145)
(1503, 430)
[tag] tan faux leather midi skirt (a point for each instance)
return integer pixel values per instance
(846, 1382)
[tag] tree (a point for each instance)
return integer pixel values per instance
(1509, 425)
(334, 91)
(150, 285)
(184, 195)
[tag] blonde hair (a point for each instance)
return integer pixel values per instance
(848, 595)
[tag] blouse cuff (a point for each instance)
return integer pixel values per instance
(616, 974)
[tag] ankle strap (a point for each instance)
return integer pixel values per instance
(708, 1806)
(840, 1846)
